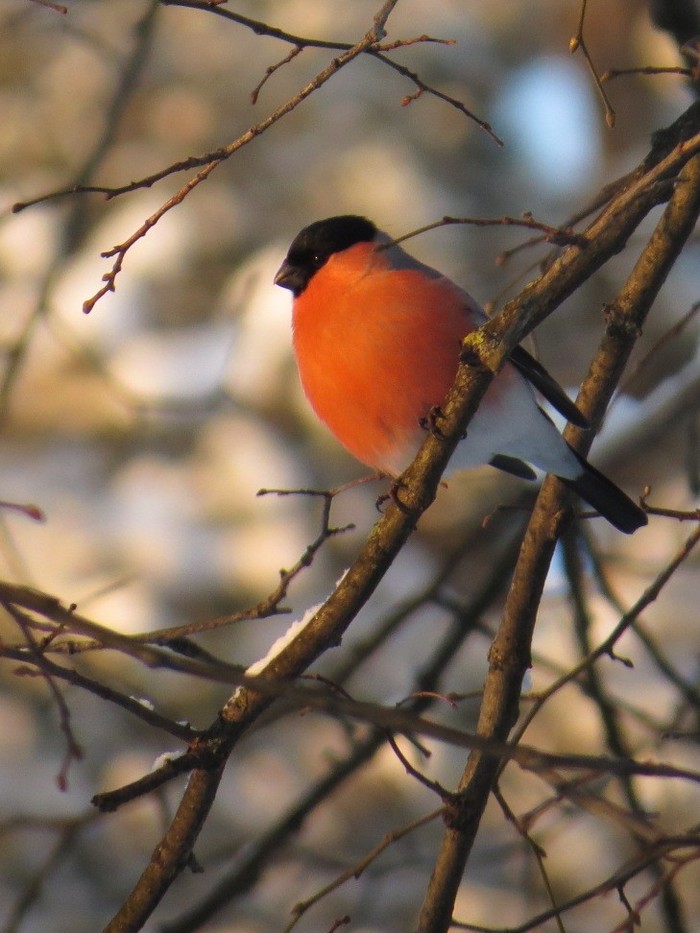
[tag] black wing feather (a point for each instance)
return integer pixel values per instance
(513, 466)
(535, 373)
(605, 497)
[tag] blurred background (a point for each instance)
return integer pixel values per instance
(144, 430)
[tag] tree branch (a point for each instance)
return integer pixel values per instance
(509, 656)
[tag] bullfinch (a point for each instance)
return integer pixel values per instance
(377, 338)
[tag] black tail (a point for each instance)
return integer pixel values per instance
(606, 498)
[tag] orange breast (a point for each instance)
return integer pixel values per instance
(376, 349)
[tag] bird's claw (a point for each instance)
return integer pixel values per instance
(430, 422)
(393, 496)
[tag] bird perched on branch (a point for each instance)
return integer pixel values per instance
(377, 337)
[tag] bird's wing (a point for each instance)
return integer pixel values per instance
(527, 365)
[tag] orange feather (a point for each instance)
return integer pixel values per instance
(383, 352)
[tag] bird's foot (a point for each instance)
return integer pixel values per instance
(430, 422)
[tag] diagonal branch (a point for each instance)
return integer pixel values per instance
(510, 652)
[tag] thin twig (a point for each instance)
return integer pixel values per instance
(613, 73)
(578, 42)
(607, 646)
(557, 235)
(57, 7)
(356, 870)
(74, 751)
(665, 849)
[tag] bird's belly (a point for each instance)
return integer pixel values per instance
(374, 367)
(377, 419)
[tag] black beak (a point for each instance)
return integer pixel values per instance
(291, 277)
(285, 276)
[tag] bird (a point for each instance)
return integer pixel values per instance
(377, 336)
